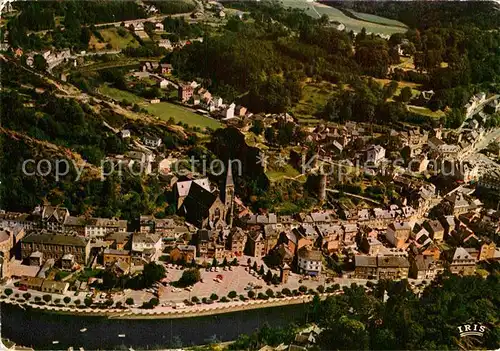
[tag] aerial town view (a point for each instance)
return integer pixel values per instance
(249, 175)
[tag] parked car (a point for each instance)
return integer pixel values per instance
(23, 288)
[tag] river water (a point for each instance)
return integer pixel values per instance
(38, 330)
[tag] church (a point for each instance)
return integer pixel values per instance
(203, 205)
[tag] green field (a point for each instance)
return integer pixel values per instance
(120, 95)
(425, 111)
(162, 110)
(377, 19)
(118, 42)
(316, 10)
(166, 110)
(314, 98)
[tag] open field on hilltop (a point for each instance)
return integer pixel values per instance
(166, 110)
(111, 36)
(425, 111)
(162, 110)
(415, 88)
(120, 95)
(316, 10)
(377, 19)
(118, 42)
(314, 98)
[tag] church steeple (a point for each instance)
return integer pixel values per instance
(229, 194)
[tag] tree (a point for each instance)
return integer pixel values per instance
(286, 291)
(232, 294)
(254, 267)
(47, 297)
(321, 289)
(214, 262)
(152, 273)
(302, 288)
(195, 299)
(350, 334)
(270, 292)
(257, 127)
(190, 277)
(129, 301)
(154, 301)
(249, 262)
(8, 291)
(269, 276)
(67, 299)
(406, 94)
(234, 262)
(390, 88)
(261, 270)
(88, 301)
(39, 62)
(251, 294)
(214, 297)
(224, 263)
(27, 295)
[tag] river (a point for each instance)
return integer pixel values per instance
(39, 329)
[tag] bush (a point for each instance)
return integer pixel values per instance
(286, 292)
(214, 297)
(232, 294)
(204, 300)
(77, 302)
(302, 288)
(67, 299)
(57, 300)
(118, 304)
(270, 293)
(16, 295)
(195, 299)
(38, 298)
(321, 289)
(261, 296)
(8, 291)
(26, 295)
(129, 301)
(190, 277)
(242, 298)
(47, 297)
(224, 299)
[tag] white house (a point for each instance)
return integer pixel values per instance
(229, 112)
(375, 154)
(125, 133)
(151, 141)
(159, 26)
(217, 102)
(309, 261)
(163, 84)
(100, 227)
(142, 243)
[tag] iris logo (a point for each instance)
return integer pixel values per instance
(471, 329)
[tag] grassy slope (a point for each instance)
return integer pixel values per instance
(314, 98)
(316, 10)
(165, 111)
(377, 19)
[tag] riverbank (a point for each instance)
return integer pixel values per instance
(169, 312)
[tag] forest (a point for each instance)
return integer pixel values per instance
(390, 316)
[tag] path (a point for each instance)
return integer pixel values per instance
(354, 195)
